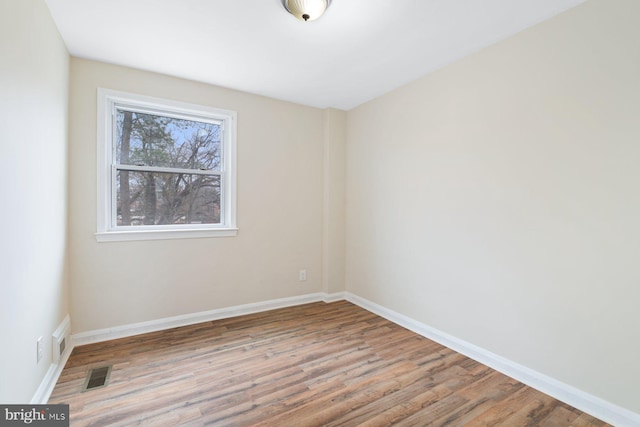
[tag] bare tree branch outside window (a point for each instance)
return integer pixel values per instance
(186, 189)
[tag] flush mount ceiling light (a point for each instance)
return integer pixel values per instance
(306, 10)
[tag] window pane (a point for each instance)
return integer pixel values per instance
(154, 198)
(152, 140)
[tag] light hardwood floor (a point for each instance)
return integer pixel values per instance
(312, 365)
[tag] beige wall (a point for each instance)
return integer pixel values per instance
(34, 72)
(280, 204)
(333, 255)
(498, 199)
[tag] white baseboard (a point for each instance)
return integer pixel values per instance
(338, 296)
(579, 399)
(99, 335)
(50, 379)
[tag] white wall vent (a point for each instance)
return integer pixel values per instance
(60, 340)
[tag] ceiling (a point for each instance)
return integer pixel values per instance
(357, 51)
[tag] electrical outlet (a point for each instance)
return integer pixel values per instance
(39, 350)
(303, 275)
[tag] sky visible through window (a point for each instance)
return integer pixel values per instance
(171, 152)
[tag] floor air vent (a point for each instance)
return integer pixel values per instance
(96, 378)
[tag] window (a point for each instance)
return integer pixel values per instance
(165, 169)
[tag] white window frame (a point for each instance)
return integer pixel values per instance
(108, 230)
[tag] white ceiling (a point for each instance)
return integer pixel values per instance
(357, 51)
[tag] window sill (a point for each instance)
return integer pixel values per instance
(124, 236)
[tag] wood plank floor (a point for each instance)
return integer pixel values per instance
(312, 365)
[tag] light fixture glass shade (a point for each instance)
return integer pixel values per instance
(306, 10)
